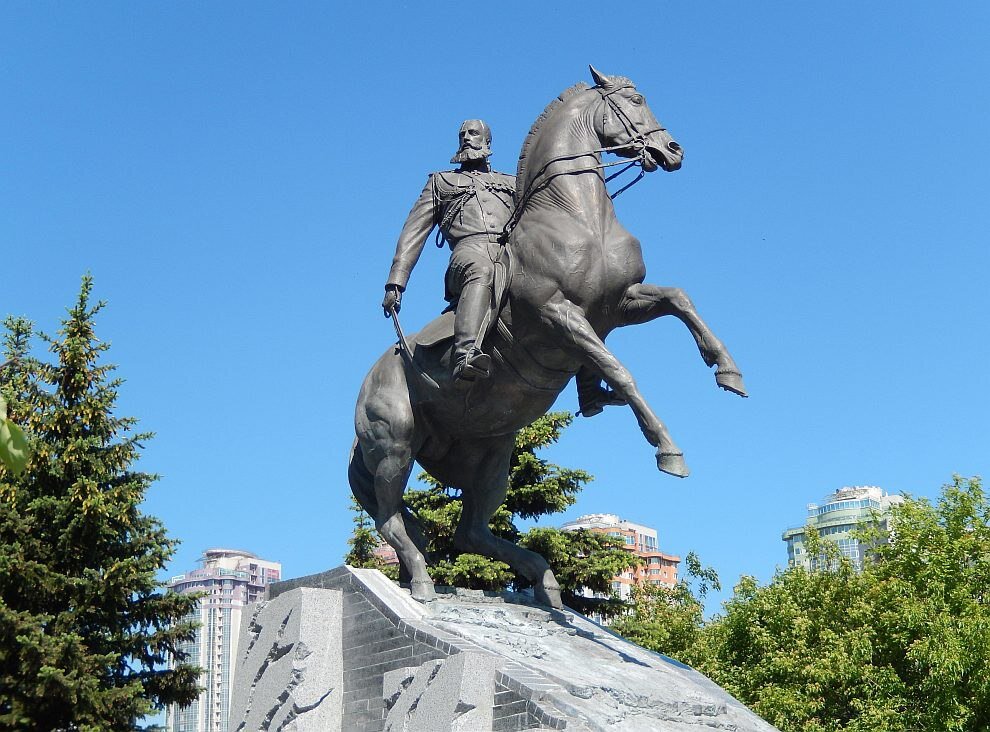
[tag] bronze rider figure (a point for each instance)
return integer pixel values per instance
(470, 206)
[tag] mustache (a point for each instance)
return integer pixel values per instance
(467, 152)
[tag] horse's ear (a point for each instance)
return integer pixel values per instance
(600, 79)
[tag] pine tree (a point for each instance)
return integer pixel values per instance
(537, 488)
(85, 627)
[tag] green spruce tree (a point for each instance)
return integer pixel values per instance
(85, 628)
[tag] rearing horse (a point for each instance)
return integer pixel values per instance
(575, 275)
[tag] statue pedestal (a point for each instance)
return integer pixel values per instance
(350, 650)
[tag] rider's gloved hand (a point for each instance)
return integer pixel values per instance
(393, 299)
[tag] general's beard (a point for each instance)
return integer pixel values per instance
(468, 153)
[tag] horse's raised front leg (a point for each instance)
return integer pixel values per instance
(490, 481)
(643, 303)
(576, 334)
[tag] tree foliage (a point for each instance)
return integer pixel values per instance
(902, 645)
(14, 448)
(84, 625)
(537, 488)
(670, 620)
(801, 651)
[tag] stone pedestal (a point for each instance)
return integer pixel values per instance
(349, 650)
(289, 673)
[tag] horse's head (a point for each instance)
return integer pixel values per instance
(627, 127)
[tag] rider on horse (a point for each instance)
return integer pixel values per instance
(578, 276)
(471, 206)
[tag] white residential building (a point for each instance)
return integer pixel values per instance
(231, 580)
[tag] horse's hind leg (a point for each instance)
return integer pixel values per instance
(481, 499)
(391, 477)
(643, 303)
(386, 430)
(362, 482)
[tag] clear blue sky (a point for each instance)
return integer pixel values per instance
(235, 175)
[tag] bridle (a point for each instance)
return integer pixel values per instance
(637, 139)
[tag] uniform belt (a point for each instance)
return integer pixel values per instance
(489, 236)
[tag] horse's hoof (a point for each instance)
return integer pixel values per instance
(673, 463)
(422, 591)
(731, 381)
(549, 596)
(547, 591)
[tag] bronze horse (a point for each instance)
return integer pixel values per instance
(574, 275)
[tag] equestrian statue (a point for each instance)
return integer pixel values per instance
(538, 277)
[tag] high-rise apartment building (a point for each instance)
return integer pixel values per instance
(839, 514)
(231, 580)
(659, 568)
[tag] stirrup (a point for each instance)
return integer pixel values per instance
(475, 365)
(595, 402)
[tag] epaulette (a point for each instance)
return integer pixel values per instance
(445, 176)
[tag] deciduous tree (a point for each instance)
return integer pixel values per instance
(670, 620)
(900, 646)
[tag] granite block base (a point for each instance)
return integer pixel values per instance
(350, 650)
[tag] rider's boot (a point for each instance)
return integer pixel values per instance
(592, 396)
(472, 306)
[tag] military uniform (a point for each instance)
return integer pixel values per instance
(471, 208)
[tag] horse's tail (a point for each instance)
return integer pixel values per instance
(362, 481)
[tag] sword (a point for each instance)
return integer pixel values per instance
(407, 352)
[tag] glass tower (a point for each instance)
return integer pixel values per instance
(839, 515)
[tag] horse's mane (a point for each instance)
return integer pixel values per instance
(554, 104)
